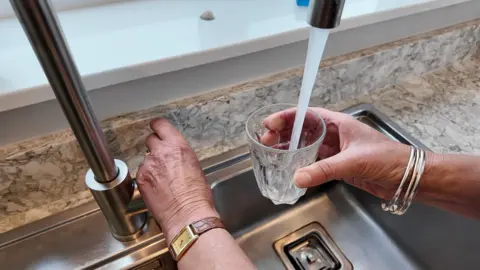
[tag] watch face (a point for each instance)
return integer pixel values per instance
(183, 241)
(183, 238)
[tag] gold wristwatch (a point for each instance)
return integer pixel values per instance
(188, 235)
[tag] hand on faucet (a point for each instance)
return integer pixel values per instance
(171, 181)
(175, 190)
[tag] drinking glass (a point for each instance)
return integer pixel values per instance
(274, 165)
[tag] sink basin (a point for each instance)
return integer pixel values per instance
(335, 224)
(423, 238)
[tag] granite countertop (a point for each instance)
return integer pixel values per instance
(441, 109)
(429, 85)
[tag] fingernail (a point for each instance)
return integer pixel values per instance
(302, 179)
(274, 123)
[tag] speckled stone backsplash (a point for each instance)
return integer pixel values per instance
(43, 176)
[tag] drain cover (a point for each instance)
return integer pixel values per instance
(311, 248)
(310, 253)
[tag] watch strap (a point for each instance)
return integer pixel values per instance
(207, 224)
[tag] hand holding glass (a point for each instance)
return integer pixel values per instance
(273, 164)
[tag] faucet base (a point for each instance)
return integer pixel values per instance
(135, 235)
(113, 198)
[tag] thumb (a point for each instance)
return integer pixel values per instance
(322, 171)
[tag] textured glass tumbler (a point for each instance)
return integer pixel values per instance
(274, 165)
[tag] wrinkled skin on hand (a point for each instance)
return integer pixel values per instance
(171, 180)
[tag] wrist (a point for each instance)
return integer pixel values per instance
(431, 161)
(434, 170)
(176, 223)
(400, 154)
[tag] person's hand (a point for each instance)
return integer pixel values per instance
(352, 151)
(171, 181)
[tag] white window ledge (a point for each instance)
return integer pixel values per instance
(125, 41)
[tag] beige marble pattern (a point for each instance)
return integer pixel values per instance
(43, 176)
(441, 108)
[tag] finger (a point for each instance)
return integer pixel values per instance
(335, 167)
(166, 131)
(279, 120)
(141, 176)
(270, 138)
(152, 142)
(285, 119)
(281, 146)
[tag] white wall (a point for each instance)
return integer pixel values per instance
(47, 117)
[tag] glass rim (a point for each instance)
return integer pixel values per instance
(280, 151)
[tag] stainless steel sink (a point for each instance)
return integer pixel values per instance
(424, 238)
(348, 224)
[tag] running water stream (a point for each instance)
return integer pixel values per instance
(316, 45)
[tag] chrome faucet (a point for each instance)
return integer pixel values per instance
(108, 179)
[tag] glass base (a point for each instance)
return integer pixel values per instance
(286, 195)
(293, 201)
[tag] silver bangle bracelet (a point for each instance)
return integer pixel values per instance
(401, 209)
(399, 204)
(418, 171)
(392, 205)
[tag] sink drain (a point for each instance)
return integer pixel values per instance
(311, 248)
